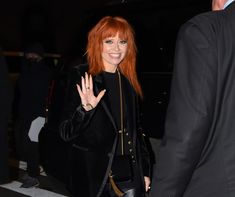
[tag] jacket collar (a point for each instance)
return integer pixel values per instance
(228, 3)
(230, 6)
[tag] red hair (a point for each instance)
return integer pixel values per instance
(109, 27)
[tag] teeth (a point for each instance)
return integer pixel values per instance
(115, 55)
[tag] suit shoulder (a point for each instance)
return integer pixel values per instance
(205, 24)
(206, 18)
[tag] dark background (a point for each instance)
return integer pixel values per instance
(62, 26)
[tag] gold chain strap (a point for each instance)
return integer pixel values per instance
(121, 112)
(116, 190)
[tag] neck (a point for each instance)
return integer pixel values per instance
(218, 4)
(110, 69)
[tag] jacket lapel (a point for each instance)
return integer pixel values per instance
(98, 86)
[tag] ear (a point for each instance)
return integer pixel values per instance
(218, 4)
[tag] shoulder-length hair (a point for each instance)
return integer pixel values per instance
(108, 27)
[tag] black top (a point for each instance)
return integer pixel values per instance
(113, 93)
(112, 90)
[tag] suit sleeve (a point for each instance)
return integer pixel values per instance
(190, 111)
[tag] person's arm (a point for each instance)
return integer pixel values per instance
(75, 117)
(190, 111)
(145, 158)
(144, 149)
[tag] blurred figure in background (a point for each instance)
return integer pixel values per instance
(5, 109)
(32, 90)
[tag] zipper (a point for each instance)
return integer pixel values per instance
(121, 131)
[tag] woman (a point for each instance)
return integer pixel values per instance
(101, 117)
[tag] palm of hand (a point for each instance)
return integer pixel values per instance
(87, 94)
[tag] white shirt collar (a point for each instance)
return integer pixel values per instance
(227, 3)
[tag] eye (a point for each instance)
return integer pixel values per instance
(123, 42)
(108, 41)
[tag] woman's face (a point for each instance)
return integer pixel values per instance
(114, 51)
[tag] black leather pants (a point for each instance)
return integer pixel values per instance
(130, 193)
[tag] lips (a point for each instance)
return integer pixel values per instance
(115, 55)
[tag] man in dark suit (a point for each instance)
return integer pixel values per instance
(197, 154)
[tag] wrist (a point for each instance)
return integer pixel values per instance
(87, 106)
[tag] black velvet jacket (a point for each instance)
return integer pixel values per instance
(94, 135)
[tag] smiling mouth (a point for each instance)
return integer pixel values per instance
(115, 55)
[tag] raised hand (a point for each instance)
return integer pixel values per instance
(88, 99)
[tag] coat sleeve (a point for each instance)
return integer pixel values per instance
(144, 151)
(143, 142)
(75, 118)
(190, 111)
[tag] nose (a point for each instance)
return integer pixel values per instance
(116, 47)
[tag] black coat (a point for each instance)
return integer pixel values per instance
(197, 155)
(95, 137)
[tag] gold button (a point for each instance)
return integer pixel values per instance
(127, 133)
(129, 142)
(130, 150)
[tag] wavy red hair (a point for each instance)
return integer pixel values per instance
(108, 27)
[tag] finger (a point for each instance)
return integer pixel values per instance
(146, 187)
(80, 92)
(87, 80)
(100, 95)
(79, 89)
(83, 85)
(90, 82)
